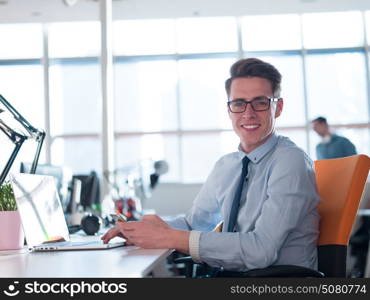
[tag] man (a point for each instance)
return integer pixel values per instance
(276, 220)
(332, 145)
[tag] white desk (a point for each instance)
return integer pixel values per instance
(127, 261)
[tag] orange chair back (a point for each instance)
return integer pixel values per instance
(340, 183)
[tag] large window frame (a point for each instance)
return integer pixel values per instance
(181, 133)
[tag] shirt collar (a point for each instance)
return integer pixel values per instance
(257, 154)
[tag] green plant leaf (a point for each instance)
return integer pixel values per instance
(7, 200)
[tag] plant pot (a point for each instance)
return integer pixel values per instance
(11, 231)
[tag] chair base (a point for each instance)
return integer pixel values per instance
(274, 271)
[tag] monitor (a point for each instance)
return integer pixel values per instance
(56, 171)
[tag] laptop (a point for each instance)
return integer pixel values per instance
(42, 216)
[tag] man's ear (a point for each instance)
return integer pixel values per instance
(279, 107)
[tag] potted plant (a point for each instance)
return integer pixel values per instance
(11, 232)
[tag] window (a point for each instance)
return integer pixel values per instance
(75, 113)
(206, 35)
(144, 37)
(358, 136)
(20, 53)
(169, 75)
(145, 95)
(27, 97)
(188, 88)
(81, 155)
(297, 136)
(271, 32)
(130, 150)
(291, 69)
(367, 20)
(20, 41)
(336, 85)
(333, 30)
(200, 152)
(74, 39)
(74, 93)
(202, 93)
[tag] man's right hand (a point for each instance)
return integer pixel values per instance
(112, 233)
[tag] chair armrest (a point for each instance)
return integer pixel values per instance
(274, 271)
(184, 260)
(188, 265)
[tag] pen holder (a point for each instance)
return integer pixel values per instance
(11, 233)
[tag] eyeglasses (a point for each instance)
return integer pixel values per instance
(258, 104)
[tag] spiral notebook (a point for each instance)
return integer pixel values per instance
(42, 216)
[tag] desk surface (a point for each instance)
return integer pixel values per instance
(130, 261)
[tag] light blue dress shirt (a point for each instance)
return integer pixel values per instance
(277, 221)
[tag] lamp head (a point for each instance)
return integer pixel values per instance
(18, 138)
(160, 167)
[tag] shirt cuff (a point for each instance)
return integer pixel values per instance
(194, 245)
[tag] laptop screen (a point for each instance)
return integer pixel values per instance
(39, 207)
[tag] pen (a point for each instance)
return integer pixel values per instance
(119, 217)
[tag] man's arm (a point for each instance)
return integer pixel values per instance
(289, 207)
(349, 148)
(319, 151)
(175, 234)
(150, 232)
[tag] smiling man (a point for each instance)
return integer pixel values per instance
(254, 124)
(265, 193)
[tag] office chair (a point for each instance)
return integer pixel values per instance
(340, 183)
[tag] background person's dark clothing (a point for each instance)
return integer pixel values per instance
(338, 146)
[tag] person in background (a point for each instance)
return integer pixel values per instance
(264, 192)
(331, 145)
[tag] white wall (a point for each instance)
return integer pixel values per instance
(56, 10)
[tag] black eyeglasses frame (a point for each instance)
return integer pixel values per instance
(271, 99)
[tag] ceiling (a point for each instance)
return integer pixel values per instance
(72, 10)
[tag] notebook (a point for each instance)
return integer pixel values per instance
(42, 216)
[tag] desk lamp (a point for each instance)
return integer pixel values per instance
(18, 138)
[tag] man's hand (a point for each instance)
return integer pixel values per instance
(154, 219)
(151, 232)
(112, 233)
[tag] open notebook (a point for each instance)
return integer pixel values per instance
(42, 215)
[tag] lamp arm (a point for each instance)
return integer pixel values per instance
(40, 141)
(18, 145)
(31, 130)
(18, 139)
(10, 133)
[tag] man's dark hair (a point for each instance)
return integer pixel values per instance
(254, 67)
(320, 120)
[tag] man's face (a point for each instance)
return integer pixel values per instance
(253, 128)
(320, 128)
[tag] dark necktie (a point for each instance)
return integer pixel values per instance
(236, 202)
